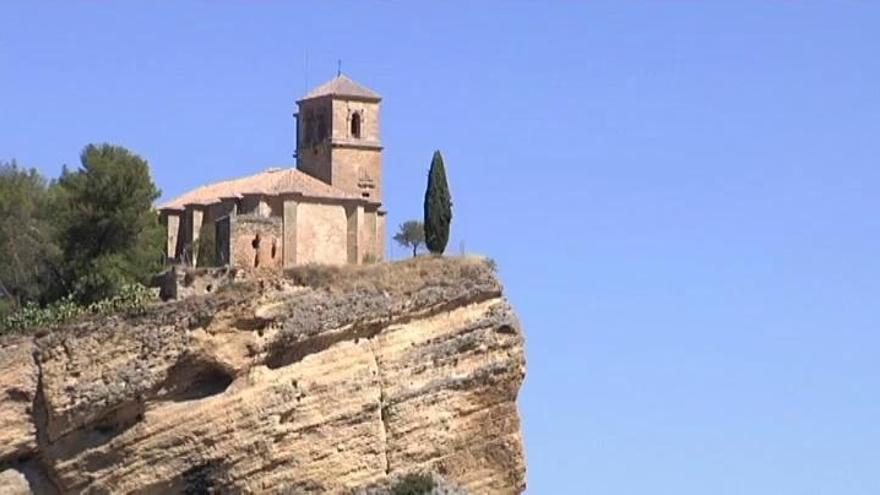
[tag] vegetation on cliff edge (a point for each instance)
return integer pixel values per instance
(438, 207)
(78, 241)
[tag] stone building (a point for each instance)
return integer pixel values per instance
(326, 210)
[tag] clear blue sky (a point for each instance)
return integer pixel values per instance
(682, 197)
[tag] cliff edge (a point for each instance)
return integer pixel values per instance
(326, 380)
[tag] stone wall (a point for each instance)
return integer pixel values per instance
(183, 282)
(382, 233)
(313, 157)
(289, 210)
(190, 226)
(218, 210)
(368, 236)
(171, 221)
(256, 242)
(342, 115)
(355, 216)
(223, 236)
(321, 233)
(352, 165)
(301, 233)
(256, 205)
(341, 159)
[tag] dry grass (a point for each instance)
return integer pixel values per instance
(395, 277)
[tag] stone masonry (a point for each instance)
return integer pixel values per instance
(327, 210)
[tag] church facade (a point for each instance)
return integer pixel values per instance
(326, 210)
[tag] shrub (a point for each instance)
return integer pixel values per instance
(7, 306)
(132, 298)
(413, 484)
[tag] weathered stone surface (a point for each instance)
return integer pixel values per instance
(325, 381)
(13, 482)
(18, 386)
(25, 478)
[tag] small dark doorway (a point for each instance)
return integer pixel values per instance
(256, 245)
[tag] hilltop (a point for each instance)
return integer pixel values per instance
(325, 379)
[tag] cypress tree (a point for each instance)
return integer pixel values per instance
(438, 207)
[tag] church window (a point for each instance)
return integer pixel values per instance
(356, 125)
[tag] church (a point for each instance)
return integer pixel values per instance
(326, 210)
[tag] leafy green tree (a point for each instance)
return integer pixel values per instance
(438, 207)
(108, 230)
(411, 235)
(26, 237)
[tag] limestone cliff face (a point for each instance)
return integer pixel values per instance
(325, 381)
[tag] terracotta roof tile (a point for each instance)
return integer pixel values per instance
(271, 182)
(341, 85)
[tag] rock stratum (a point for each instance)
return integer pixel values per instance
(326, 380)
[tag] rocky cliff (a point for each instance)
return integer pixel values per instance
(322, 381)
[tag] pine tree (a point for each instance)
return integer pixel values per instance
(27, 247)
(108, 231)
(438, 207)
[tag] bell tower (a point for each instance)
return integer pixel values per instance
(338, 138)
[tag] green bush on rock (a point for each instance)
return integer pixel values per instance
(413, 484)
(130, 298)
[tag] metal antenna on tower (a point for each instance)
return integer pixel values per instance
(339, 67)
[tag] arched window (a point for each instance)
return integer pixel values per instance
(356, 125)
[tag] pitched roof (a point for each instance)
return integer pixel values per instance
(273, 181)
(341, 85)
